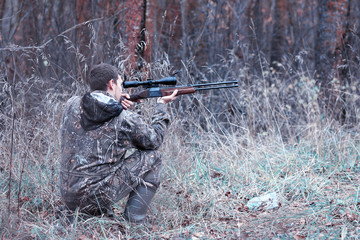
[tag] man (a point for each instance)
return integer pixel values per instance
(109, 152)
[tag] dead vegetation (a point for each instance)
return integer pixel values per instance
(274, 133)
(221, 150)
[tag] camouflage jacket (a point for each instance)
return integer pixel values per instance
(93, 161)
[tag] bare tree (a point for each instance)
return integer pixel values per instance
(10, 19)
(278, 40)
(333, 20)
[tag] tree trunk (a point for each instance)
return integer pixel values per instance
(132, 28)
(255, 22)
(278, 35)
(333, 19)
(10, 19)
(256, 33)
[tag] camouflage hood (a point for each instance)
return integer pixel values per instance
(97, 108)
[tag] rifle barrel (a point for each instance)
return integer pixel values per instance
(212, 84)
(209, 88)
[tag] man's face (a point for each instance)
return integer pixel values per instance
(118, 88)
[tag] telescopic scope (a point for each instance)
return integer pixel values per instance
(150, 83)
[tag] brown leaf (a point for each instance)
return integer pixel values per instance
(351, 217)
(215, 174)
(299, 237)
(243, 208)
(25, 199)
(83, 237)
(44, 214)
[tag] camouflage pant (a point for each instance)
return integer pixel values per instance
(119, 184)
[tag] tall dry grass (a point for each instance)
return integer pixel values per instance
(222, 149)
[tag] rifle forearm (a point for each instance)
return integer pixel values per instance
(162, 92)
(181, 91)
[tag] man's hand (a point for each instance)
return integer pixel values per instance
(169, 98)
(125, 102)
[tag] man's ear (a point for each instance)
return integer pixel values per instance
(111, 84)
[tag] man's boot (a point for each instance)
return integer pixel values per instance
(140, 199)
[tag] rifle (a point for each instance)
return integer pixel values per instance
(154, 90)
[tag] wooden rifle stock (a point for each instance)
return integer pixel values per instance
(139, 95)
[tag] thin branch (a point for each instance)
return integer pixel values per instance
(10, 164)
(14, 47)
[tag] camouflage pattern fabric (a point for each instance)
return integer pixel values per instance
(104, 164)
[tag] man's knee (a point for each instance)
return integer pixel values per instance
(152, 176)
(152, 158)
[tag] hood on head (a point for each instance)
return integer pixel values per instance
(98, 108)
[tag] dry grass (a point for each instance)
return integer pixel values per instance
(221, 150)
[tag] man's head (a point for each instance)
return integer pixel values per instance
(106, 78)
(100, 75)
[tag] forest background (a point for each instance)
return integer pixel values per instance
(292, 126)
